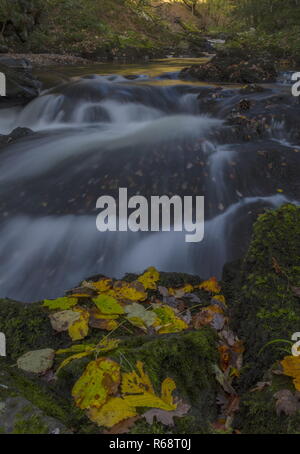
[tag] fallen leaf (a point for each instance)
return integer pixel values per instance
(122, 427)
(260, 386)
(60, 321)
(291, 367)
(149, 279)
(108, 305)
(286, 402)
(80, 328)
(167, 320)
(37, 361)
(129, 291)
(60, 303)
(100, 379)
(296, 291)
(211, 285)
(103, 285)
(139, 316)
(167, 417)
(112, 412)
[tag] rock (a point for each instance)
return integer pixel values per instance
(19, 416)
(37, 361)
(233, 67)
(27, 327)
(15, 135)
(263, 304)
(21, 85)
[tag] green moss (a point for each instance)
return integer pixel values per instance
(30, 425)
(263, 304)
(26, 327)
(258, 412)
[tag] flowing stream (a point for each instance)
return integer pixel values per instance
(96, 130)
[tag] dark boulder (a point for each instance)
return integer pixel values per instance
(235, 68)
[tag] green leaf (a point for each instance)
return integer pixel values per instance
(60, 303)
(108, 305)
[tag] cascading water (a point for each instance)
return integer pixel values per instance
(97, 134)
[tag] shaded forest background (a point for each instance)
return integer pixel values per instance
(99, 27)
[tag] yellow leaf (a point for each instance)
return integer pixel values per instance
(80, 328)
(138, 390)
(100, 379)
(211, 285)
(76, 349)
(103, 285)
(136, 381)
(220, 298)
(167, 388)
(107, 345)
(132, 291)
(148, 400)
(291, 367)
(97, 315)
(167, 321)
(181, 291)
(60, 303)
(71, 358)
(112, 412)
(150, 278)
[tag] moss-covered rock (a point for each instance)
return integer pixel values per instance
(187, 357)
(264, 306)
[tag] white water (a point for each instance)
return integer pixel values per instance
(44, 255)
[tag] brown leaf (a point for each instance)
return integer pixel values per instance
(286, 402)
(122, 427)
(296, 291)
(260, 386)
(166, 417)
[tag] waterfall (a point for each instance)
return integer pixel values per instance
(96, 134)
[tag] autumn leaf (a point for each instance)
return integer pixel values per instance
(211, 285)
(60, 321)
(76, 349)
(286, 402)
(131, 291)
(60, 303)
(95, 314)
(167, 417)
(108, 305)
(138, 390)
(103, 285)
(139, 316)
(291, 367)
(136, 381)
(167, 321)
(149, 279)
(122, 427)
(80, 328)
(71, 358)
(100, 379)
(180, 292)
(82, 351)
(37, 361)
(106, 325)
(112, 412)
